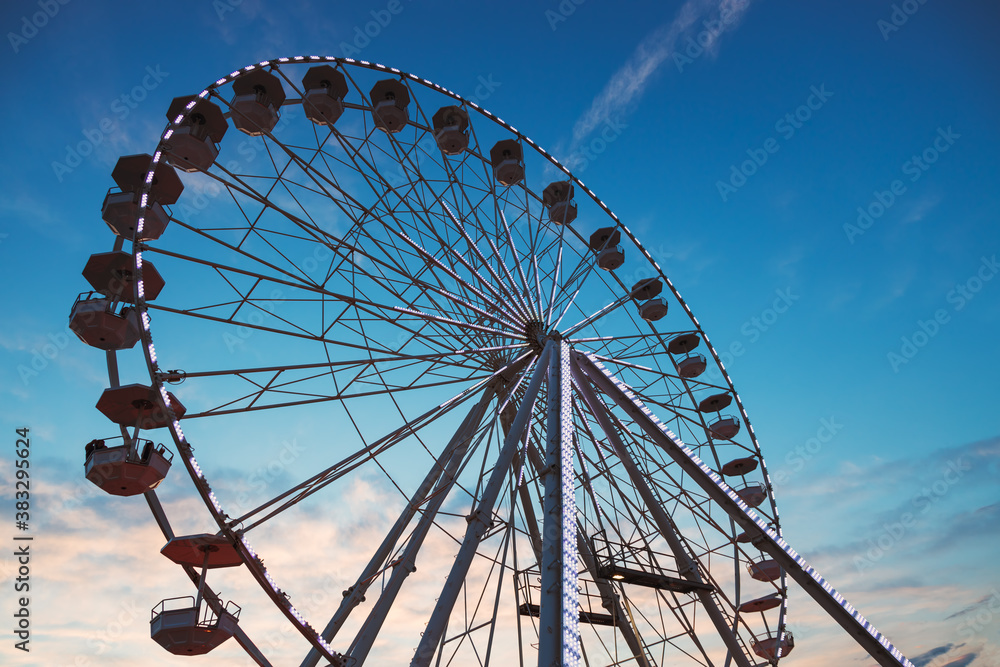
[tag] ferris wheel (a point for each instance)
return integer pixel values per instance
(475, 404)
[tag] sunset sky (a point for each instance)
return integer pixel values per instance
(818, 179)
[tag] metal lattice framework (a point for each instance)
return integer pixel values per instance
(408, 283)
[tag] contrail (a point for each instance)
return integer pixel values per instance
(625, 88)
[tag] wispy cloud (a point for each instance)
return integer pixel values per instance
(625, 88)
(921, 208)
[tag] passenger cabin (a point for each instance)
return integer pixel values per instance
(194, 144)
(258, 96)
(111, 274)
(451, 129)
(611, 258)
(100, 323)
(605, 237)
(684, 343)
(390, 98)
(558, 198)
(761, 604)
(185, 627)
(752, 494)
(740, 467)
(202, 551)
(127, 469)
(725, 427)
(324, 89)
(692, 366)
(508, 162)
(604, 242)
(653, 310)
(764, 570)
(773, 648)
(715, 402)
(137, 405)
(646, 289)
(121, 209)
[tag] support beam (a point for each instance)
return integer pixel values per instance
(407, 561)
(453, 452)
(763, 536)
(610, 599)
(559, 620)
(481, 518)
(664, 524)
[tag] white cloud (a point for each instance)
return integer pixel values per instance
(627, 85)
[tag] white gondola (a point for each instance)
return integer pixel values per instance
(725, 427)
(194, 145)
(764, 570)
(257, 99)
(740, 467)
(508, 163)
(558, 198)
(184, 626)
(684, 343)
(111, 274)
(100, 322)
(323, 91)
(653, 310)
(611, 258)
(692, 366)
(390, 98)
(137, 405)
(646, 289)
(752, 494)
(121, 208)
(772, 648)
(715, 402)
(127, 469)
(451, 129)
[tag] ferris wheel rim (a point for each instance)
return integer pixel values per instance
(157, 378)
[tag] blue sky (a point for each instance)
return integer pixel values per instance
(818, 181)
